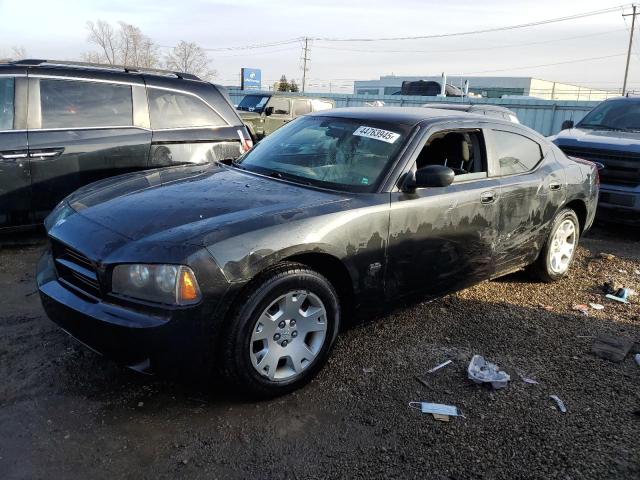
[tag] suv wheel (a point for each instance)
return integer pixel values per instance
(557, 254)
(281, 336)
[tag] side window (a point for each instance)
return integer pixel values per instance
(516, 153)
(461, 150)
(300, 107)
(7, 88)
(169, 109)
(73, 104)
(280, 105)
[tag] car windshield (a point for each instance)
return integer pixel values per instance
(253, 103)
(338, 153)
(613, 115)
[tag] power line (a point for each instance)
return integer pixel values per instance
(476, 32)
(247, 47)
(547, 64)
(493, 47)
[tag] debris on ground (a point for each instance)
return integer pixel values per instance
(481, 371)
(637, 358)
(438, 367)
(610, 287)
(611, 348)
(528, 380)
(596, 306)
(367, 370)
(620, 295)
(439, 411)
(582, 308)
(607, 256)
(560, 403)
(548, 308)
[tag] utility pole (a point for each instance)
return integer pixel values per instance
(626, 68)
(305, 59)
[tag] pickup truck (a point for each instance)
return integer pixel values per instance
(610, 136)
(265, 113)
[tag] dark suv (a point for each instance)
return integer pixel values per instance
(65, 125)
(610, 136)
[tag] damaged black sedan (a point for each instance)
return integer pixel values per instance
(250, 268)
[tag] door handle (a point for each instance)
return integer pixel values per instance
(555, 186)
(12, 156)
(46, 153)
(487, 197)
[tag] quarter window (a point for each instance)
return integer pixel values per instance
(7, 87)
(170, 109)
(516, 153)
(301, 107)
(73, 104)
(280, 105)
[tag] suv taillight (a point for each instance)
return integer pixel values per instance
(247, 143)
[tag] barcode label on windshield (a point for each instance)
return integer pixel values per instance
(377, 134)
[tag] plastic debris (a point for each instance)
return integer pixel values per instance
(622, 271)
(367, 370)
(611, 348)
(439, 411)
(607, 256)
(637, 358)
(530, 381)
(560, 403)
(596, 306)
(548, 308)
(582, 308)
(637, 272)
(481, 371)
(620, 295)
(438, 367)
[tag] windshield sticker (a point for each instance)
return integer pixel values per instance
(377, 134)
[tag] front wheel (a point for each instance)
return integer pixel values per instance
(558, 251)
(281, 335)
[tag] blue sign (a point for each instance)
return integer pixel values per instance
(251, 79)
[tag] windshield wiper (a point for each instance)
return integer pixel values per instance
(598, 126)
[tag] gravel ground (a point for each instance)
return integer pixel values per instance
(68, 413)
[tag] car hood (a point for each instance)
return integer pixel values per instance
(187, 203)
(600, 139)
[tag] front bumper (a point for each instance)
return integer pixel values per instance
(145, 341)
(619, 204)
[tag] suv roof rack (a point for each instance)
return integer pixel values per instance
(33, 62)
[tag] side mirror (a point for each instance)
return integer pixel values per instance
(268, 111)
(431, 176)
(567, 124)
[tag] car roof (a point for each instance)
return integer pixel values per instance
(402, 115)
(468, 107)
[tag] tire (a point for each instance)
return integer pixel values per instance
(547, 268)
(256, 327)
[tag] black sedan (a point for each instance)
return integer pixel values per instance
(250, 267)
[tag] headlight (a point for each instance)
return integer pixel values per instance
(169, 284)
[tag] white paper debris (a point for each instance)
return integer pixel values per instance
(559, 402)
(438, 367)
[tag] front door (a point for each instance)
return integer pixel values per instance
(15, 180)
(441, 239)
(281, 114)
(81, 131)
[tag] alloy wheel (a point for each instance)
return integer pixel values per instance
(563, 244)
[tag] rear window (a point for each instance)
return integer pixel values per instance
(7, 87)
(74, 104)
(169, 109)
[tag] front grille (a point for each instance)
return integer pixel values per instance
(75, 270)
(620, 168)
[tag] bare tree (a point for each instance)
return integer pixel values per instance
(189, 57)
(126, 46)
(18, 52)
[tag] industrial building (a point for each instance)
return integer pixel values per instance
(490, 87)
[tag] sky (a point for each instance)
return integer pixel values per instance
(53, 29)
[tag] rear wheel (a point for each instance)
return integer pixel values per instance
(282, 334)
(557, 254)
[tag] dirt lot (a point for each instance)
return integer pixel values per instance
(65, 412)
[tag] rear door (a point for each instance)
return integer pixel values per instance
(15, 180)
(82, 129)
(188, 129)
(532, 187)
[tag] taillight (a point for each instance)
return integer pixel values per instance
(594, 165)
(247, 143)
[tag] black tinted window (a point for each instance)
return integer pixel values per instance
(516, 153)
(170, 109)
(6, 103)
(72, 104)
